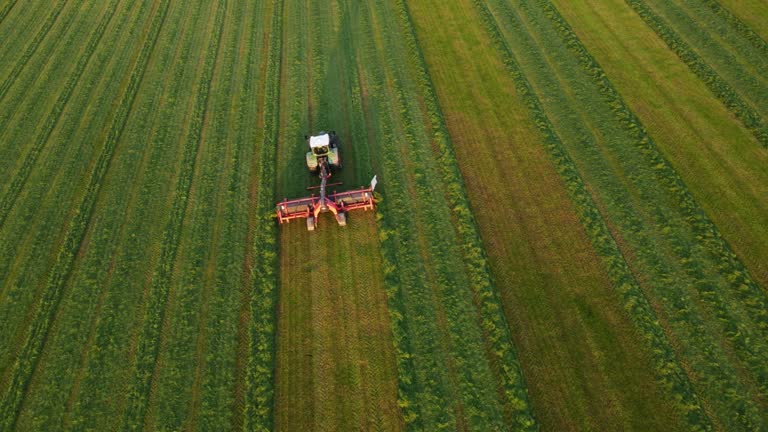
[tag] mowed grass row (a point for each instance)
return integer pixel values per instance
(335, 365)
(37, 99)
(31, 347)
(720, 162)
(752, 13)
(596, 374)
(32, 235)
(733, 69)
(457, 363)
(708, 303)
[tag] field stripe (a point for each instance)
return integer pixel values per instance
(719, 86)
(258, 411)
(668, 368)
(9, 198)
(6, 9)
(159, 117)
(253, 98)
(148, 345)
(31, 48)
(755, 39)
(483, 286)
(669, 236)
(27, 359)
(66, 341)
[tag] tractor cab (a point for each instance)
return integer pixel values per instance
(323, 148)
(320, 144)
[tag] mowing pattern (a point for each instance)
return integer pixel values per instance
(570, 232)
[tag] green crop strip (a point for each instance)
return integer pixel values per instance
(668, 368)
(68, 343)
(6, 9)
(30, 352)
(158, 115)
(31, 48)
(8, 200)
(259, 392)
(728, 263)
(734, 21)
(493, 321)
(716, 84)
(146, 356)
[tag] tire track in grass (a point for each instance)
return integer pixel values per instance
(16, 184)
(259, 380)
(668, 368)
(31, 48)
(27, 359)
(145, 369)
(174, 365)
(719, 86)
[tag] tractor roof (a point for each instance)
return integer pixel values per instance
(323, 140)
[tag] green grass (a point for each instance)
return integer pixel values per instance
(569, 233)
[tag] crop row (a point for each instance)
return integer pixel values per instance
(431, 299)
(728, 264)
(31, 237)
(159, 119)
(155, 312)
(66, 345)
(31, 48)
(7, 8)
(734, 21)
(32, 347)
(640, 311)
(719, 87)
(496, 329)
(177, 390)
(16, 184)
(422, 394)
(218, 374)
(259, 392)
(673, 213)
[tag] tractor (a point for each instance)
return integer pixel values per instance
(324, 158)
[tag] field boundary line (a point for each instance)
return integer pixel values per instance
(714, 82)
(8, 200)
(258, 412)
(668, 369)
(30, 353)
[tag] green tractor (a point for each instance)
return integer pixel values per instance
(323, 150)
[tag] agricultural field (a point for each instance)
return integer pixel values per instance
(570, 233)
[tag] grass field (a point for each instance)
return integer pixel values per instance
(571, 229)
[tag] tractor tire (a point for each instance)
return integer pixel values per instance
(311, 225)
